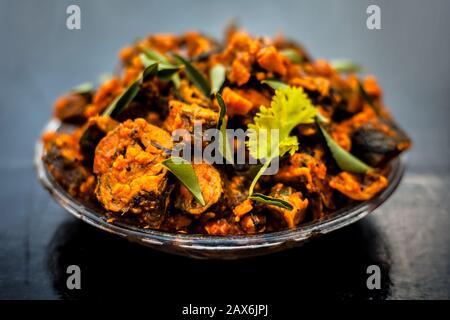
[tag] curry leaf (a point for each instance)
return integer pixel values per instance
(148, 72)
(104, 77)
(344, 159)
(271, 201)
(194, 75)
(183, 171)
(154, 55)
(82, 88)
(292, 55)
(345, 66)
(368, 99)
(224, 143)
(166, 70)
(275, 84)
(217, 75)
(124, 99)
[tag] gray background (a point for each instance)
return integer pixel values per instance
(40, 59)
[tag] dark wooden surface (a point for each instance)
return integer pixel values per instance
(408, 237)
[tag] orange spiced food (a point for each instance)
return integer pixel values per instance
(336, 136)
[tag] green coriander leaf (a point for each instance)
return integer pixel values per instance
(194, 75)
(258, 175)
(289, 108)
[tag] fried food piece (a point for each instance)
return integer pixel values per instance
(211, 185)
(93, 131)
(271, 60)
(105, 94)
(373, 139)
(197, 44)
(236, 104)
(243, 208)
(359, 188)
(191, 94)
(241, 69)
(309, 174)
(71, 107)
(302, 168)
(240, 54)
(64, 161)
(222, 227)
(236, 190)
(178, 222)
(295, 198)
(377, 144)
(253, 223)
(130, 175)
(185, 116)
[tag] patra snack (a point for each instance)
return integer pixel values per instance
(134, 150)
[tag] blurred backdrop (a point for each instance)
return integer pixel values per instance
(41, 59)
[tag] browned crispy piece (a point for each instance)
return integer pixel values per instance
(222, 227)
(358, 187)
(236, 103)
(295, 198)
(105, 94)
(65, 162)
(185, 116)
(71, 107)
(271, 60)
(309, 174)
(236, 190)
(92, 132)
(253, 223)
(130, 176)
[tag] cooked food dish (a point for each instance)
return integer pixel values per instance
(334, 136)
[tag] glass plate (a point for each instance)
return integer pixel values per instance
(205, 246)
